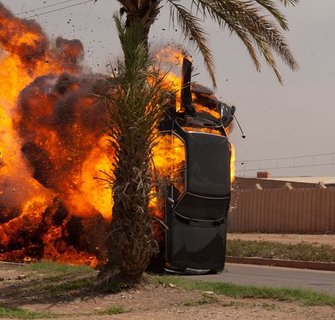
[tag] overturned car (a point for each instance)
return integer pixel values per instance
(196, 213)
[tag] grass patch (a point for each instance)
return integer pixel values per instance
(52, 280)
(49, 280)
(58, 289)
(306, 297)
(112, 310)
(275, 250)
(16, 313)
(54, 267)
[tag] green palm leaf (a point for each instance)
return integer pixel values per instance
(191, 28)
(257, 23)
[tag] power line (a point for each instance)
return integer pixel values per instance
(287, 167)
(287, 158)
(281, 163)
(59, 9)
(43, 7)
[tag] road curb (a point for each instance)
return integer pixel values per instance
(313, 265)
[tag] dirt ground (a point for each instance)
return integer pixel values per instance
(315, 239)
(21, 287)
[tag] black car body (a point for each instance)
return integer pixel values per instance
(196, 217)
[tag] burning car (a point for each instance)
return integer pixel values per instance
(196, 209)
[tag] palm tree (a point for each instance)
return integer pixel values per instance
(257, 23)
(133, 105)
(134, 102)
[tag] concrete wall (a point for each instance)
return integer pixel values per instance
(302, 210)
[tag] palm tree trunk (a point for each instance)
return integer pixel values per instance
(145, 16)
(135, 107)
(132, 241)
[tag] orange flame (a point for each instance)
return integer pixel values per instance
(52, 149)
(232, 162)
(28, 199)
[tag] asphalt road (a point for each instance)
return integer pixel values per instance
(321, 281)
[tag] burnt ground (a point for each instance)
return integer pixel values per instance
(60, 295)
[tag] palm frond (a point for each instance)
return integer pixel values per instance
(287, 2)
(133, 48)
(273, 10)
(129, 5)
(268, 56)
(246, 16)
(134, 102)
(247, 40)
(192, 28)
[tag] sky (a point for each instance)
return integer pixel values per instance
(289, 128)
